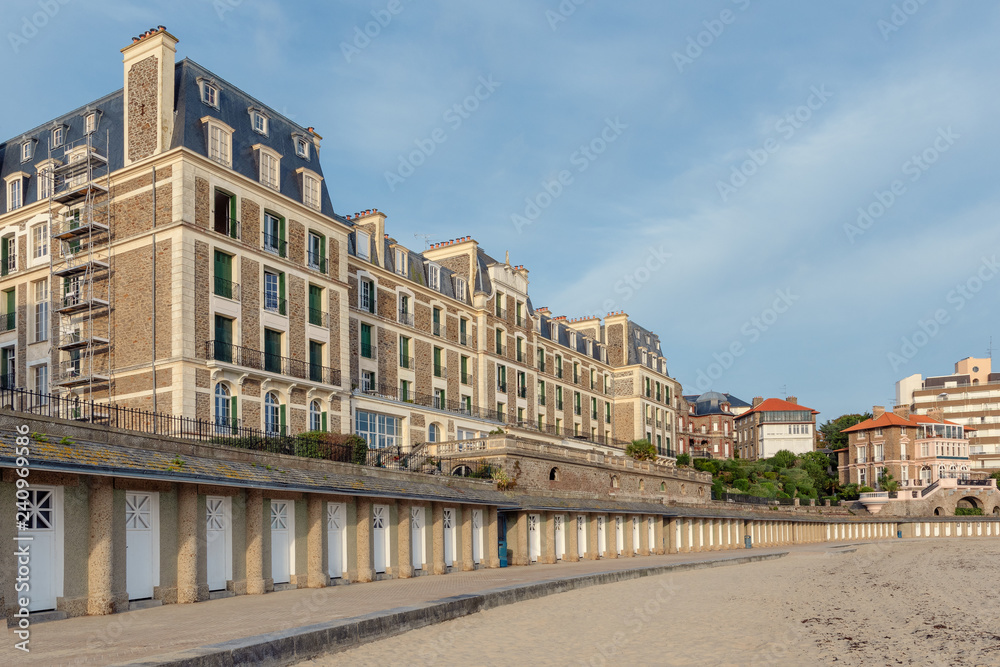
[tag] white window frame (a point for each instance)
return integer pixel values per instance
(259, 121)
(27, 150)
(315, 416)
(302, 148)
(58, 136)
(312, 188)
(400, 256)
(268, 156)
(41, 310)
(40, 240)
(15, 190)
(460, 288)
(210, 94)
(218, 132)
(434, 276)
(46, 182)
(363, 245)
(90, 123)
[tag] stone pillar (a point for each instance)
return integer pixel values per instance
(572, 554)
(719, 528)
(628, 543)
(644, 546)
(594, 548)
(492, 546)
(611, 537)
(468, 564)
(403, 540)
(187, 543)
(316, 577)
(659, 547)
(698, 543)
(255, 542)
(548, 555)
(672, 529)
(364, 540)
(520, 555)
(100, 564)
(437, 539)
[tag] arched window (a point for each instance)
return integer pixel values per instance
(271, 414)
(223, 408)
(642, 484)
(554, 475)
(315, 417)
(433, 433)
(614, 481)
(663, 487)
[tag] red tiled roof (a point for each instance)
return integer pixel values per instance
(892, 419)
(776, 405)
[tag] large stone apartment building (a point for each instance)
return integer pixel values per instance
(173, 246)
(706, 428)
(970, 396)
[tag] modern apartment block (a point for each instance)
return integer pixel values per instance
(917, 450)
(773, 425)
(173, 246)
(970, 396)
(708, 429)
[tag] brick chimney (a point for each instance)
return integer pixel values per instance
(149, 93)
(757, 400)
(793, 399)
(936, 413)
(878, 411)
(902, 411)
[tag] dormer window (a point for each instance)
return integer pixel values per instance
(460, 289)
(400, 257)
(258, 121)
(58, 136)
(209, 93)
(90, 123)
(302, 148)
(270, 163)
(310, 188)
(15, 190)
(362, 247)
(220, 141)
(27, 150)
(434, 276)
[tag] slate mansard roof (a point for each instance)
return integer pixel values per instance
(189, 131)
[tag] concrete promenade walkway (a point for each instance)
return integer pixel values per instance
(175, 632)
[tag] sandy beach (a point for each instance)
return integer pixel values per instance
(892, 603)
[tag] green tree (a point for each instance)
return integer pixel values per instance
(783, 459)
(832, 429)
(683, 459)
(641, 450)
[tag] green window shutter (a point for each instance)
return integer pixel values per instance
(404, 347)
(281, 417)
(232, 217)
(437, 356)
(465, 365)
(4, 253)
(233, 409)
(366, 335)
(315, 298)
(281, 236)
(322, 250)
(11, 302)
(322, 418)
(371, 295)
(282, 308)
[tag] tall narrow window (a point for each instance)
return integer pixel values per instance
(316, 361)
(274, 234)
(274, 293)
(315, 417)
(317, 252)
(41, 294)
(366, 295)
(311, 191)
(367, 351)
(273, 422)
(269, 170)
(223, 408)
(14, 196)
(40, 240)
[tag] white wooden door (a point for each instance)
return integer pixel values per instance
(139, 546)
(449, 536)
(336, 542)
(534, 538)
(651, 535)
(418, 541)
(635, 534)
(602, 544)
(219, 541)
(477, 536)
(581, 535)
(560, 536)
(41, 515)
(380, 536)
(281, 536)
(619, 536)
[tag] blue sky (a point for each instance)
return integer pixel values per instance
(699, 165)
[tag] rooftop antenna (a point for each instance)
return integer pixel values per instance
(426, 238)
(784, 390)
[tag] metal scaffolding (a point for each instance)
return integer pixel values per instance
(80, 265)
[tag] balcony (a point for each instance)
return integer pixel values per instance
(559, 372)
(227, 227)
(316, 262)
(466, 377)
(406, 317)
(318, 318)
(275, 245)
(541, 399)
(275, 304)
(271, 363)
(519, 356)
(436, 328)
(440, 371)
(8, 321)
(577, 410)
(502, 386)
(501, 350)
(10, 265)
(406, 362)
(541, 366)
(391, 393)
(227, 289)
(522, 392)
(559, 405)
(463, 338)
(519, 320)
(501, 313)
(367, 350)
(8, 381)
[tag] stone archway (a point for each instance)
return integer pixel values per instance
(996, 510)
(970, 502)
(939, 511)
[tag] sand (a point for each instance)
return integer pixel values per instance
(892, 603)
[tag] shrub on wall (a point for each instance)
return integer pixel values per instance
(641, 450)
(968, 511)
